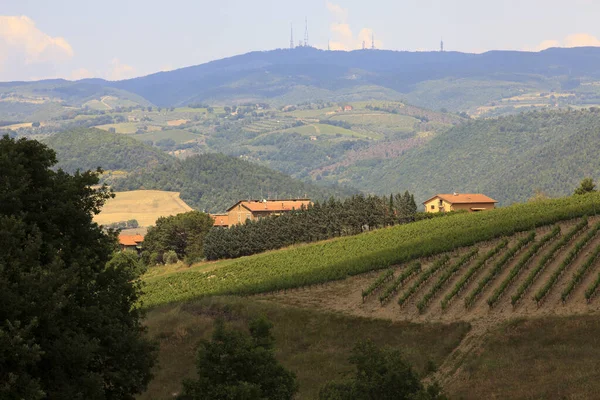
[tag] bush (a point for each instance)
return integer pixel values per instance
(170, 257)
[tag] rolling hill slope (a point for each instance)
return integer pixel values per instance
(509, 158)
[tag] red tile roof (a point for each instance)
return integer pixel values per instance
(130, 240)
(272, 205)
(220, 219)
(463, 198)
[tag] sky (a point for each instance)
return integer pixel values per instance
(120, 39)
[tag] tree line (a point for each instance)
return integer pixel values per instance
(319, 221)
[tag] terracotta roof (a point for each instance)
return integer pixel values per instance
(463, 198)
(130, 240)
(220, 219)
(272, 205)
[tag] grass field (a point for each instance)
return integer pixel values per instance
(314, 345)
(178, 135)
(376, 120)
(124, 127)
(146, 206)
(324, 129)
(339, 258)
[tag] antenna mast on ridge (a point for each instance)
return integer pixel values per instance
(372, 41)
(291, 36)
(442, 46)
(306, 31)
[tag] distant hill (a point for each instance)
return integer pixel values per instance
(508, 158)
(212, 182)
(91, 148)
(452, 80)
(461, 80)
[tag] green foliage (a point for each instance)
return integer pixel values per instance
(70, 324)
(591, 290)
(170, 257)
(92, 148)
(238, 365)
(580, 273)
(497, 268)
(424, 277)
(587, 185)
(338, 258)
(176, 237)
(454, 268)
(317, 222)
(464, 280)
(521, 264)
(547, 151)
(380, 374)
(129, 262)
(544, 290)
(546, 259)
(213, 182)
(392, 289)
(378, 283)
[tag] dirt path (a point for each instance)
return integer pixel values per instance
(102, 100)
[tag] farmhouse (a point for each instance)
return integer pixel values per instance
(254, 210)
(459, 201)
(131, 242)
(221, 220)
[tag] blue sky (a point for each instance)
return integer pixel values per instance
(118, 39)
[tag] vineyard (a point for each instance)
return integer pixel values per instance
(509, 230)
(552, 269)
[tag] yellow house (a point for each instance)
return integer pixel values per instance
(455, 202)
(256, 209)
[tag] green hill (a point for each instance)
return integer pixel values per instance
(85, 149)
(212, 182)
(509, 158)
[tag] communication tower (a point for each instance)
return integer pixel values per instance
(306, 31)
(291, 36)
(442, 45)
(372, 41)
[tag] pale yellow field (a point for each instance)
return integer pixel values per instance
(177, 122)
(146, 206)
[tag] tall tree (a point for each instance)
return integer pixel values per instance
(70, 326)
(237, 365)
(587, 185)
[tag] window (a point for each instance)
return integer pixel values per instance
(433, 207)
(248, 216)
(239, 217)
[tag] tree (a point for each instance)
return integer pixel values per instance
(587, 185)
(380, 374)
(238, 365)
(70, 324)
(183, 233)
(35, 124)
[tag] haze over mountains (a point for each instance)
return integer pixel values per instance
(373, 120)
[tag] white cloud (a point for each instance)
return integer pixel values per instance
(21, 39)
(119, 71)
(574, 40)
(342, 37)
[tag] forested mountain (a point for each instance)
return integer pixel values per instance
(91, 148)
(213, 182)
(508, 158)
(457, 81)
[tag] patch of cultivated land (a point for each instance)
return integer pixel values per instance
(314, 345)
(545, 349)
(346, 295)
(145, 206)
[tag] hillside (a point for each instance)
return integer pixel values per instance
(145, 206)
(523, 279)
(213, 182)
(315, 74)
(509, 158)
(90, 148)
(457, 81)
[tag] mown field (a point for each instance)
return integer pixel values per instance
(145, 206)
(337, 259)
